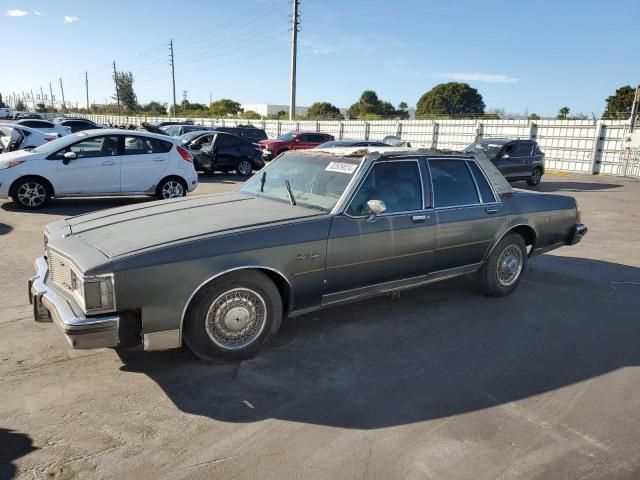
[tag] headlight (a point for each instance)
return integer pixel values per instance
(10, 164)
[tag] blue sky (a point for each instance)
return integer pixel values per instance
(534, 56)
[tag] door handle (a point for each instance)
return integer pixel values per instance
(158, 159)
(419, 218)
(109, 162)
(491, 210)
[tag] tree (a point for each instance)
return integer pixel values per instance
(619, 104)
(323, 111)
(41, 108)
(451, 98)
(563, 113)
(403, 111)
(251, 115)
(224, 108)
(125, 92)
(155, 108)
(278, 116)
(533, 116)
(2, 104)
(20, 106)
(370, 107)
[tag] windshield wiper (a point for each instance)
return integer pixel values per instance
(262, 180)
(292, 200)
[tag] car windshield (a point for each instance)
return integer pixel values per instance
(59, 143)
(287, 137)
(490, 150)
(316, 181)
(187, 137)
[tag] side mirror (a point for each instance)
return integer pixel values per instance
(68, 157)
(376, 207)
(296, 140)
(505, 156)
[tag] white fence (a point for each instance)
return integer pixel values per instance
(569, 145)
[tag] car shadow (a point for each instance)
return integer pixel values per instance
(13, 445)
(433, 352)
(548, 187)
(4, 228)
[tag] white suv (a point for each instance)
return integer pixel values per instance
(98, 163)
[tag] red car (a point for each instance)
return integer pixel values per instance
(292, 141)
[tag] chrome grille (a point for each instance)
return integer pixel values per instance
(60, 270)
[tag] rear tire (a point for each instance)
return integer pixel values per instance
(503, 269)
(31, 193)
(171, 187)
(536, 177)
(244, 168)
(233, 318)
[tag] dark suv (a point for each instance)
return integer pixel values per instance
(516, 159)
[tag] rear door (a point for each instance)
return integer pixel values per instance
(95, 170)
(522, 158)
(227, 150)
(143, 160)
(468, 212)
(304, 141)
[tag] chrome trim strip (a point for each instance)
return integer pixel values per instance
(246, 267)
(360, 293)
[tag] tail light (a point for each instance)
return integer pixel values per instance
(47, 139)
(578, 213)
(184, 153)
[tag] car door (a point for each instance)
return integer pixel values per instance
(363, 251)
(304, 141)
(467, 211)
(143, 161)
(95, 170)
(522, 158)
(226, 150)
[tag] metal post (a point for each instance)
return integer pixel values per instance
(533, 131)
(173, 77)
(51, 92)
(86, 85)
(42, 96)
(434, 135)
(479, 131)
(596, 151)
(115, 79)
(64, 105)
(33, 100)
(294, 49)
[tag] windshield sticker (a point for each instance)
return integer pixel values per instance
(341, 167)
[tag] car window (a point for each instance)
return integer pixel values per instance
(105, 146)
(227, 140)
(483, 185)
(172, 131)
(452, 183)
(523, 149)
(134, 145)
(204, 139)
(396, 183)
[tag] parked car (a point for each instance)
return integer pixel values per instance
(218, 151)
(171, 122)
(292, 141)
(177, 130)
(252, 134)
(18, 137)
(98, 163)
(6, 113)
(78, 124)
(352, 143)
(313, 229)
(516, 159)
(395, 141)
(27, 115)
(45, 126)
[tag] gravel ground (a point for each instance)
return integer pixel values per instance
(441, 382)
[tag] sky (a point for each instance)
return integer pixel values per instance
(532, 56)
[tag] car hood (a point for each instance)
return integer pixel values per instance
(269, 143)
(17, 155)
(126, 230)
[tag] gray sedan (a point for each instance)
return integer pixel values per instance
(313, 229)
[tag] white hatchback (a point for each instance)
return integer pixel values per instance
(98, 163)
(18, 137)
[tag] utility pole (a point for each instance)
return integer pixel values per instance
(115, 79)
(64, 104)
(173, 76)
(86, 86)
(51, 92)
(633, 118)
(294, 49)
(42, 96)
(33, 100)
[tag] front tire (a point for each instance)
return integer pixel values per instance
(31, 193)
(502, 271)
(171, 188)
(234, 317)
(536, 177)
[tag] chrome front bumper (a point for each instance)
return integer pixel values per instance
(577, 233)
(81, 332)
